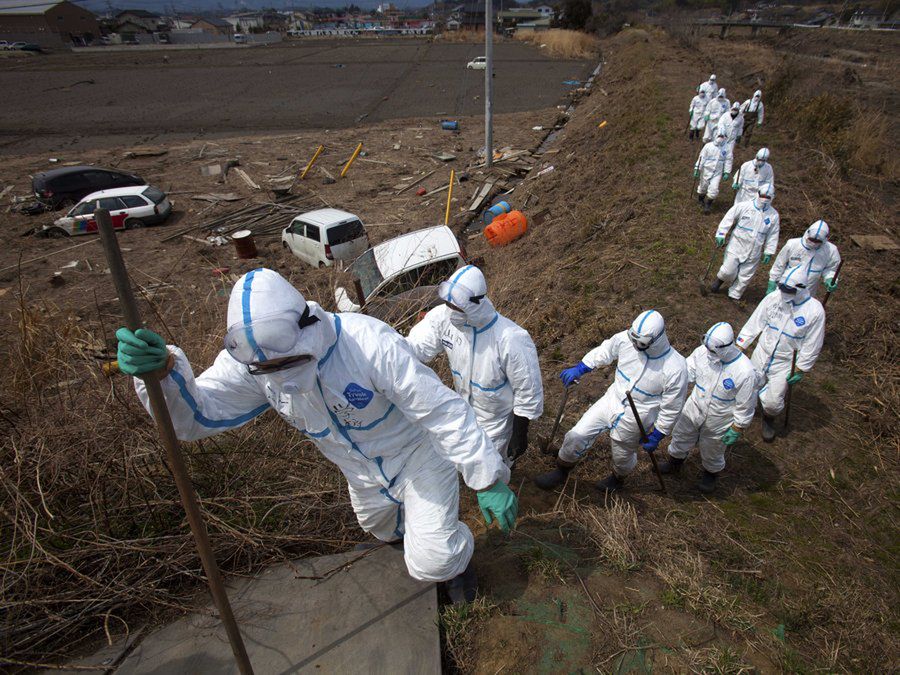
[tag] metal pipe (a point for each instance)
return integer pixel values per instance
(449, 197)
(173, 447)
(488, 84)
(312, 161)
(351, 160)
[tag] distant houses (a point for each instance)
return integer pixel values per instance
(48, 24)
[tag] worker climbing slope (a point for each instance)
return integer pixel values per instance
(709, 87)
(790, 324)
(818, 256)
(753, 111)
(719, 408)
(653, 372)
(696, 112)
(493, 360)
(714, 110)
(352, 385)
(754, 227)
(713, 165)
(731, 125)
(751, 175)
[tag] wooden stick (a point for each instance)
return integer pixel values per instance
(449, 197)
(351, 160)
(173, 446)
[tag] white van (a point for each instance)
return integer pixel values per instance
(324, 236)
(240, 39)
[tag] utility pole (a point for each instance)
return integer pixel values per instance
(488, 84)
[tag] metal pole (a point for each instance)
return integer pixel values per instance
(637, 418)
(172, 445)
(488, 84)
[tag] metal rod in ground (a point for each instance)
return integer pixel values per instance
(351, 160)
(488, 84)
(787, 396)
(449, 197)
(173, 447)
(637, 418)
(312, 161)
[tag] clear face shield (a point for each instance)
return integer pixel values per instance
(641, 342)
(269, 343)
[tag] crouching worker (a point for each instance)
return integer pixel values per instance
(351, 384)
(790, 325)
(654, 373)
(718, 410)
(493, 360)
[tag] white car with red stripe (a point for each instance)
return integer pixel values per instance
(129, 208)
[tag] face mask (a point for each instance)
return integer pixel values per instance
(733, 114)
(758, 163)
(458, 319)
(762, 203)
(293, 381)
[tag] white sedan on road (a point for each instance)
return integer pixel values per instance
(478, 63)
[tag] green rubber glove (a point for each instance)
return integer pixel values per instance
(140, 352)
(731, 437)
(726, 175)
(696, 173)
(759, 124)
(767, 258)
(831, 285)
(795, 378)
(771, 286)
(499, 502)
(720, 242)
(706, 117)
(735, 186)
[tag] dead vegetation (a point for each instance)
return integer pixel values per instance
(566, 44)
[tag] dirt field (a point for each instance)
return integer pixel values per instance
(72, 102)
(790, 567)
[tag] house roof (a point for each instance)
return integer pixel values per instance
(140, 13)
(26, 7)
(213, 21)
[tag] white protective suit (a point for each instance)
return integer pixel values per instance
(820, 261)
(710, 87)
(731, 127)
(715, 159)
(754, 233)
(394, 430)
(751, 175)
(493, 360)
(753, 109)
(717, 107)
(657, 380)
(724, 395)
(697, 110)
(784, 324)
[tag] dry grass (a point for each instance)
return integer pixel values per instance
(565, 44)
(465, 35)
(615, 532)
(460, 625)
(93, 540)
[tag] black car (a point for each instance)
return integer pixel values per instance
(59, 188)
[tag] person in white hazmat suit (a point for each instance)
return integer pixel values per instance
(696, 112)
(719, 408)
(713, 165)
(754, 112)
(350, 384)
(709, 87)
(754, 228)
(731, 125)
(788, 323)
(751, 175)
(714, 110)
(493, 361)
(655, 374)
(818, 256)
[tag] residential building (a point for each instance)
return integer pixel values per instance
(139, 18)
(213, 25)
(49, 24)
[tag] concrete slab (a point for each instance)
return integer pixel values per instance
(369, 617)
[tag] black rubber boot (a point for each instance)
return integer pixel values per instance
(768, 428)
(707, 206)
(707, 484)
(463, 588)
(701, 199)
(716, 285)
(610, 484)
(671, 465)
(552, 479)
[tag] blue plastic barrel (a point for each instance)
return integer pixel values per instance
(496, 210)
(450, 125)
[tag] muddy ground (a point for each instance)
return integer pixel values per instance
(66, 102)
(791, 566)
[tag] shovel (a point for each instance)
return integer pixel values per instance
(559, 414)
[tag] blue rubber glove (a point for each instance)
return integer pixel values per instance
(720, 242)
(499, 502)
(725, 175)
(569, 375)
(731, 437)
(140, 352)
(795, 378)
(831, 285)
(771, 286)
(652, 442)
(767, 258)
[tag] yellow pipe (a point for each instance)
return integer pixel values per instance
(449, 197)
(351, 160)
(312, 161)
(602, 124)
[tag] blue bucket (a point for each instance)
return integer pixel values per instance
(449, 125)
(496, 210)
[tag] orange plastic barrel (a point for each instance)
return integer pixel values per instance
(506, 228)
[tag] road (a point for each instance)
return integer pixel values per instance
(97, 99)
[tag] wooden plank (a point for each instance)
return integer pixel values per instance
(249, 181)
(481, 195)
